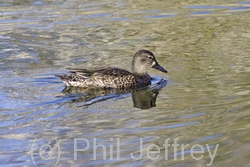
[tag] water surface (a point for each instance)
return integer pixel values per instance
(203, 45)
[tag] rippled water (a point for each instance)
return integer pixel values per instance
(203, 45)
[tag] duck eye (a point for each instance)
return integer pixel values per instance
(150, 57)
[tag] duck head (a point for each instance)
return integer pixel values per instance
(142, 60)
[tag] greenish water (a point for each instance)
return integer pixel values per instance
(203, 45)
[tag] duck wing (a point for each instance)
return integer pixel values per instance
(110, 71)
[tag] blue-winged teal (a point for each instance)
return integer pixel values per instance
(113, 77)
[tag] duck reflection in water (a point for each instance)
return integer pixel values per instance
(143, 98)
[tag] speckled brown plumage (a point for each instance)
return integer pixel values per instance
(113, 77)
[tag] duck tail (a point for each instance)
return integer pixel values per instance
(62, 77)
(65, 78)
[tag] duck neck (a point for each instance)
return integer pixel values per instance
(139, 71)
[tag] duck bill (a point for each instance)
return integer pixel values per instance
(158, 67)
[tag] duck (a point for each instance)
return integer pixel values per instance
(114, 77)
